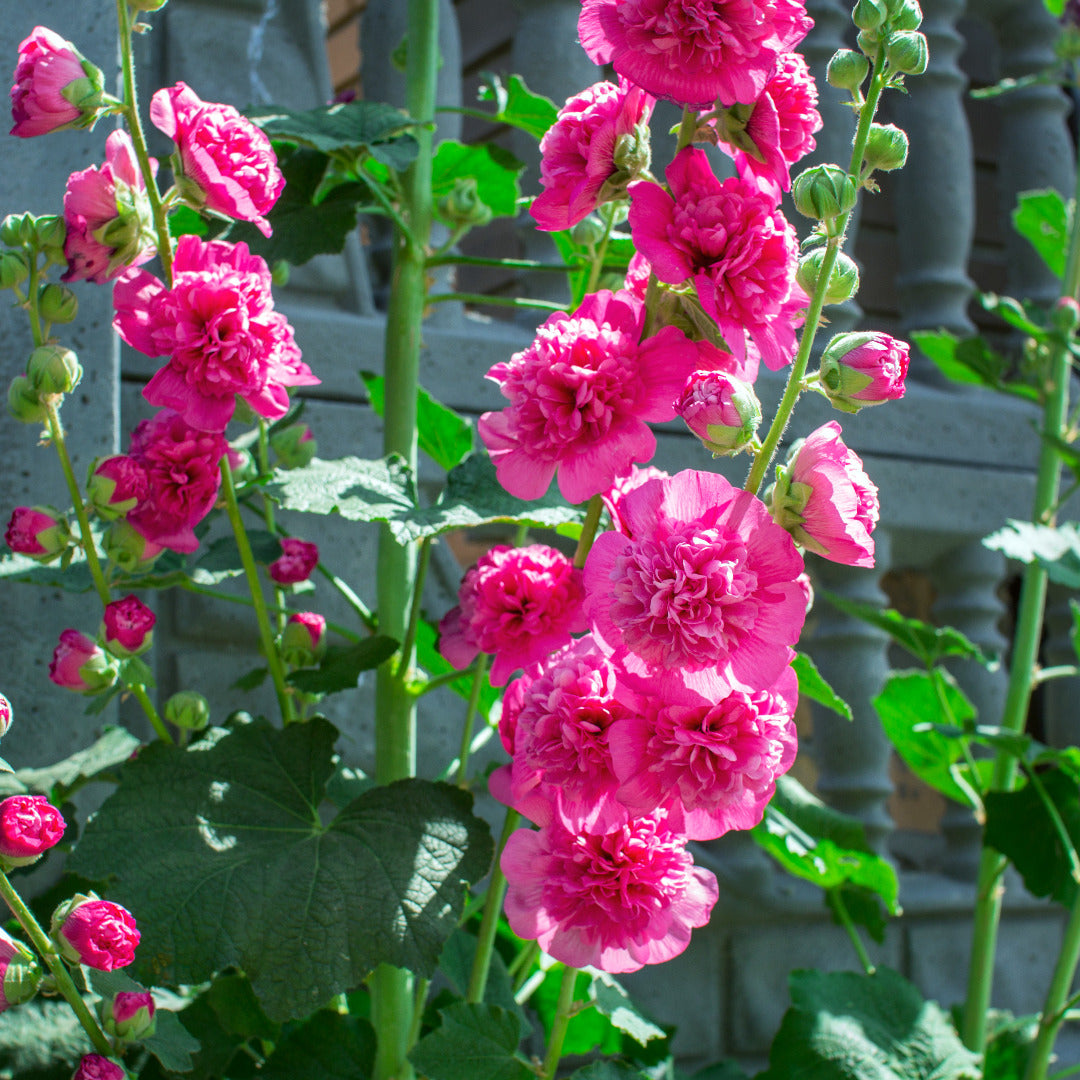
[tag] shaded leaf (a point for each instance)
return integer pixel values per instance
(1056, 548)
(609, 1070)
(1042, 218)
(223, 553)
(252, 680)
(609, 997)
(41, 1040)
(456, 964)
(220, 847)
(232, 998)
(722, 1070)
(516, 104)
(473, 1042)
(75, 578)
(494, 169)
(355, 488)
(1009, 1042)
(972, 362)
(114, 748)
(814, 687)
(341, 666)
(327, 1046)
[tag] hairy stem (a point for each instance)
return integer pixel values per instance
(563, 1014)
(489, 921)
(156, 722)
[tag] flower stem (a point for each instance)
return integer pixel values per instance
(251, 573)
(479, 678)
(601, 251)
(409, 643)
(64, 983)
(563, 1013)
(851, 929)
(496, 301)
(56, 434)
(138, 141)
(419, 1001)
(588, 530)
(1056, 1006)
(489, 921)
(263, 446)
(156, 722)
(687, 128)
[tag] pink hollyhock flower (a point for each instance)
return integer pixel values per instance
(516, 604)
(181, 465)
(37, 531)
(704, 586)
(513, 700)
(228, 163)
(109, 222)
(296, 563)
(128, 627)
(623, 485)
(29, 826)
(824, 498)
(96, 1067)
(303, 641)
(862, 369)
(693, 52)
(80, 664)
(637, 275)
(55, 86)
(130, 1015)
(98, 933)
(581, 396)
(723, 412)
(780, 127)
(731, 240)
(712, 764)
(598, 144)
(218, 327)
(614, 901)
(117, 485)
(20, 975)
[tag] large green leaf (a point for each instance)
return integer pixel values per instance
(611, 999)
(355, 488)
(456, 964)
(1042, 218)
(971, 361)
(1054, 547)
(341, 666)
(848, 1026)
(327, 1046)
(494, 169)
(814, 687)
(517, 105)
(110, 751)
(74, 578)
(473, 1042)
(610, 1070)
(220, 849)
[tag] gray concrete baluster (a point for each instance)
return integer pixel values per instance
(967, 580)
(852, 758)
(1061, 717)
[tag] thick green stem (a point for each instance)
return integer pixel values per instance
(489, 921)
(1054, 1009)
(409, 643)
(687, 128)
(258, 602)
(138, 141)
(479, 678)
(852, 930)
(588, 530)
(56, 434)
(156, 722)
(563, 1015)
(47, 951)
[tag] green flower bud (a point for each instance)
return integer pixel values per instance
(847, 70)
(129, 550)
(279, 273)
(188, 710)
(869, 43)
(245, 468)
(870, 14)
(843, 280)
(57, 303)
(904, 14)
(294, 445)
(1066, 315)
(824, 192)
(907, 53)
(17, 229)
(21, 973)
(886, 147)
(52, 369)
(587, 232)
(463, 205)
(50, 231)
(13, 269)
(24, 402)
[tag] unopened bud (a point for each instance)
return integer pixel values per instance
(24, 402)
(294, 445)
(13, 269)
(847, 69)
(39, 532)
(907, 52)
(50, 232)
(116, 486)
(127, 627)
(588, 232)
(188, 710)
(20, 975)
(824, 192)
(463, 205)
(52, 369)
(869, 42)
(886, 147)
(303, 641)
(843, 280)
(863, 368)
(128, 1015)
(904, 14)
(129, 550)
(279, 274)
(1066, 315)
(722, 411)
(6, 716)
(57, 303)
(17, 229)
(869, 14)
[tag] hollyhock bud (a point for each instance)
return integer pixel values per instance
(128, 549)
(824, 192)
(886, 147)
(869, 14)
(14, 269)
(847, 69)
(24, 402)
(49, 235)
(55, 86)
(96, 1067)
(294, 445)
(129, 1015)
(303, 641)
(463, 205)
(57, 303)
(189, 710)
(98, 933)
(127, 627)
(907, 52)
(825, 500)
(20, 974)
(6, 716)
(864, 369)
(905, 14)
(843, 279)
(297, 562)
(52, 369)
(722, 411)
(80, 664)
(29, 826)
(1066, 315)
(39, 532)
(17, 229)
(116, 485)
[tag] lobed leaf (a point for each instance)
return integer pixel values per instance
(814, 687)
(494, 169)
(473, 1042)
(517, 105)
(114, 748)
(342, 665)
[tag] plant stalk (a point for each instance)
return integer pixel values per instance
(588, 530)
(1055, 1007)
(563, 1014)
(152, 715)
(489, 921)
(479, 678)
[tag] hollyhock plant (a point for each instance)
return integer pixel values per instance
(109, 222)
(599, 143)
(615, 901)
(730, 239)
(20, 974)
(227, 164)
(80, 664)
(55, 86)
(96, 1067)
(127, 627)
(516, 604)
(712, 764)
(219, 330)
(582, 396)
(693, 52)
(862, 369)
(39, 532)
(824, 498)
(98, 933)
(296, 563)
(704, 587)
(29, 826)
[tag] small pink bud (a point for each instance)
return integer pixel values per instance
(303, 641)
(128, 549)
(298, 560)
(38, 531)
(127, 627)
(117, 485)
(29, 826)
(96, 1067)
(20, 974)
(6, 715)
(865, 368)
(129, 1015)
(722, 411)
(97, 933)
(80, 664)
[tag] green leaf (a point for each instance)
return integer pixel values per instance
(972, 362)
(1056, 548)
(75, 578)
(517, 105)
(341, 667)
(220, 847)
(251, 680)
(326, 1047)
(614, 1002)
(1055, 7)
(1042, 218)
(456, 964)
(217, 1047)
(910, 703)
(572, 254)
(814, 687)
(928, 643)
(1018, 314)
(443, 435)
(430, 660)
(183, 221)
(1008, 1045)
(722, 1070)
(494, 169)
(1020, 827)
(844, 1025)
(474, 1042)
(350, 127)
(232, 998)
(609, 1070)
(589, 1030)
(41, 1040)
(109, 752)
(223, 553)
(357, 489)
